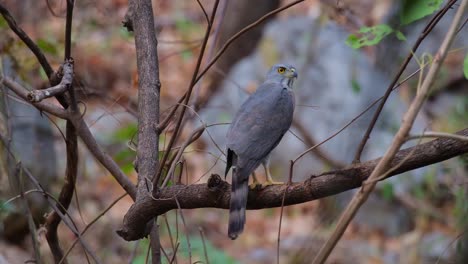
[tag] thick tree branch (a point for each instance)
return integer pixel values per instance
(216, 193)
(148, 92)
(149, 85)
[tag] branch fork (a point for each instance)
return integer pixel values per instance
(67, 72)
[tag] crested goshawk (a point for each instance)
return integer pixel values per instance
(255, 131)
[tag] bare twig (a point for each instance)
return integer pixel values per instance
(165, 255)
(356, 117)
(55, 204)
(195, 135)
(432, 134)
(163, 124)
(214, 39)
(90, 224)
(278, 240)
(148, 254)
(408, 119)
(174, 254)
(189, 247)
(68, 29)
(240, 33)
(84, 133)
(20, 195)
(27, 212)
(104, 158)
(216, 193)
(425, 208)
(204, 12)
(432, 23)
(27, 40)
(66, 194)
(459, 236)
(462, 26)
(67, 79)
(53, 78)
(155, 243)
(392, 169)
(23, 93)
(134, 252)
(202, 234)
(168, 227)
(310, 141)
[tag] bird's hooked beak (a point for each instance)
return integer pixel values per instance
(292, 73)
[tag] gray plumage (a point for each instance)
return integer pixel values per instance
(255, 131)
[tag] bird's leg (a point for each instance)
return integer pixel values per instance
(266, 166)
(255, 181)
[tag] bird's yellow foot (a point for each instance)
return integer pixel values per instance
(271, 182)
(255, 185)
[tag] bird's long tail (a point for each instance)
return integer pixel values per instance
(239, 192)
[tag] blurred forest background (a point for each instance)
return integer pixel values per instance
(417, 217)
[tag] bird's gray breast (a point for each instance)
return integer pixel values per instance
(261, 122)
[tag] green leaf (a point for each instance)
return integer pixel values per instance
(215, 255)
(3, 23)
(184, 25)
(368, 36)
(461, 206)
(355, 85)
(186, 55)
(224, 117)
(6, 208)
(417, 9)
(418, 192)
(125, 34)
(465, 66)
(47, 46)
(387, 191)
(43, 74)
(400, 35)
(126, 133)
(141, 252)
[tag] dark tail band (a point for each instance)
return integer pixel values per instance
(239, 193)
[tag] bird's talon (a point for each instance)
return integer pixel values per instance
(268, 183)
(255, 185)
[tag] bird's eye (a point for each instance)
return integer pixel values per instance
(281, 70)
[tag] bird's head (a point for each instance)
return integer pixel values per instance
(282, 73)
